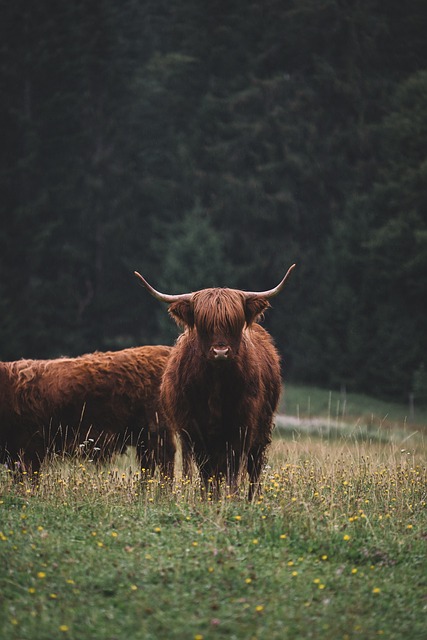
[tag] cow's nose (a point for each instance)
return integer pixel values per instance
(221, 353)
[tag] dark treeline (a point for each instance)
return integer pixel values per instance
(213, 144)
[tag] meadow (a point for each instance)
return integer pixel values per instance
(337, 406)
(334, 546)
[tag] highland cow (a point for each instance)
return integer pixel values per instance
(222, 382)
(106, 399)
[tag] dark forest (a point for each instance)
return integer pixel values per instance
(214, 144)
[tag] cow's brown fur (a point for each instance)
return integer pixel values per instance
(109, 397)
(222, 408)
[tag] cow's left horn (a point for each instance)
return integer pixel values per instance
(271, 292)
(164, 297)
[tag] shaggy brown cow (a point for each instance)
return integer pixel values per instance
(108, 398)
(222, 382)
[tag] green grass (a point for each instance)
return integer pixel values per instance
(310, 411)
(309, 402)
(333, 548)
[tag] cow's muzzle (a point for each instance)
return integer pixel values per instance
(220, 353)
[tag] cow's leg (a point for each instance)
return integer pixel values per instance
(164, 452)
(233, 462)
(255, 463)
(145, 449)
(23, 464)
(187, 457)
(211, 482)
(31, 454)
(211, 475)
(145, 458)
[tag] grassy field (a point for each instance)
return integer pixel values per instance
(318, 412)
(308, 402)
(334, 547)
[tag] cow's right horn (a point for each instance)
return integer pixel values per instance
(271, 292)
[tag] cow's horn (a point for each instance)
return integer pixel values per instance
(271, 292)
(164, 297)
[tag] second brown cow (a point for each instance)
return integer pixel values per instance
(222, 383)
(104, 400)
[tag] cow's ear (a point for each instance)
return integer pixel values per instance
(182, 312)
(254, 308)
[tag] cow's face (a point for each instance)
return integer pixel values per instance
(219, 317)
